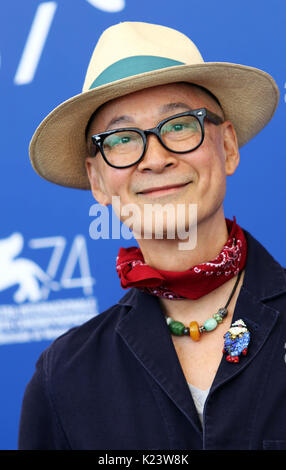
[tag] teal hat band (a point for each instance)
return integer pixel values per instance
(132, 66)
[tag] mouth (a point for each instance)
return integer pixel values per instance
(163, 190)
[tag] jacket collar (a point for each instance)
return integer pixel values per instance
(143, 327)
(264, 277)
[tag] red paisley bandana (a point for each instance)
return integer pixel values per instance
(192, 283)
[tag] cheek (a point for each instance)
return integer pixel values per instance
(115, 181)
(214, 154)
(210, 168)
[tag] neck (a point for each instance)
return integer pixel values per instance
(165, 254)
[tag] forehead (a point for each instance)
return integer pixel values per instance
(151, 101)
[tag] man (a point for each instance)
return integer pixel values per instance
(157, 125)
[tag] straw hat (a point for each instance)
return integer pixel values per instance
(131, 56)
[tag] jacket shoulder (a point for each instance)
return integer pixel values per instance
(80, 340)
(62, 375)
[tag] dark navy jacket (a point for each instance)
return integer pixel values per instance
(116, 383)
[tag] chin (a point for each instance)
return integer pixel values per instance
(170, 225)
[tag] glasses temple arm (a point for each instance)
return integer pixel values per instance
(214, 118)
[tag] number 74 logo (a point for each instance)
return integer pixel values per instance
(34, 284)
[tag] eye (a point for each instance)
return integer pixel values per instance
(173, 127)
(184, 124)
(117, 139)
(125, 140)
(178, 127)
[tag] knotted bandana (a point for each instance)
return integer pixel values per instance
(192, 283)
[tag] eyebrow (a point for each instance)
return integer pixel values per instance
(118, 119)
(162, 110)
(173, 106)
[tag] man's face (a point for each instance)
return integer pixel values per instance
(162, 177)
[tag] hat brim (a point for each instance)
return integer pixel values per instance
(248, 96)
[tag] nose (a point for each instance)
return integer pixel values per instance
(156, 157)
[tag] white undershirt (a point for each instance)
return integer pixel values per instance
(199, 397)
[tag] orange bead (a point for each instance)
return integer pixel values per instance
(195, 331)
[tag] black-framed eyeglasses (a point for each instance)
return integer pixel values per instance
(181, 133)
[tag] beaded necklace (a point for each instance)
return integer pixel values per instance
(194, 330)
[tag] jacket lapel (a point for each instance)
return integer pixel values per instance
(260, 320)
(146, 333)
(264, 280)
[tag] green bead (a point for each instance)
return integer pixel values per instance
(210, 324)
(177, 328)
(218, 317)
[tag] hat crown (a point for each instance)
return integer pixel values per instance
(135, 39)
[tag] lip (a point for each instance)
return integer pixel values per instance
(161, 190)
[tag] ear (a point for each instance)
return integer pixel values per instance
(230, 148)
(96, 182)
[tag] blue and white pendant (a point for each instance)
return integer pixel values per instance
(236, 341)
